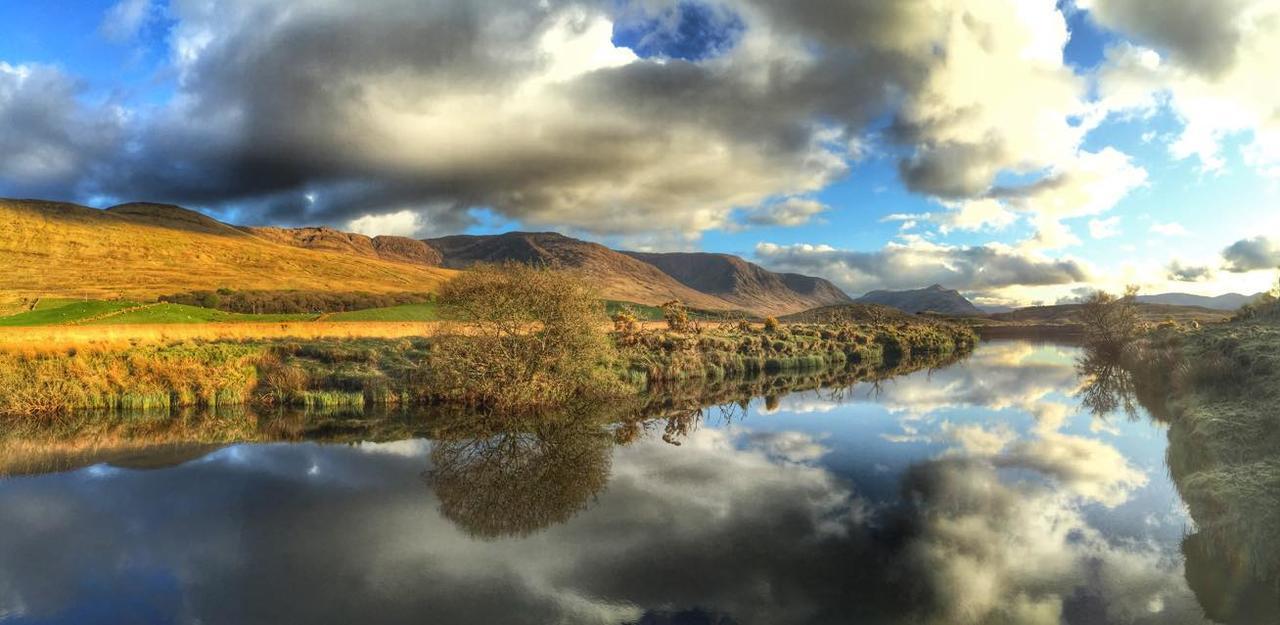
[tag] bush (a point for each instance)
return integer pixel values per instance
(676, 315)
(531, 338)
(771, 324)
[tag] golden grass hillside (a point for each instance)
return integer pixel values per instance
(145, 250)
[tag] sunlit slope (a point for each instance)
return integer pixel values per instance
(145, 250)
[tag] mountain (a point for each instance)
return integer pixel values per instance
(400, 249)
(1230, 301)
(144, 250)
(745, 285)
(1070, 314)
(711, 281)
(932, 299)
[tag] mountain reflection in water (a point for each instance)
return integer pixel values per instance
(981, 492)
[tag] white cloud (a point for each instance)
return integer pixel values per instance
(1170, 229)
(405, 223)
(124, 19)
(1217, 77)
(915, 261)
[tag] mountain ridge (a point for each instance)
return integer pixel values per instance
(699, 279)
(934, 298)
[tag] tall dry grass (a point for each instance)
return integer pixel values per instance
(53, 339)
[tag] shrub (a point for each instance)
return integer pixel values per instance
(771, 324)
(531, 338)
(676, 316)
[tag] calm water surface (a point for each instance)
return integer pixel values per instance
(979, 493)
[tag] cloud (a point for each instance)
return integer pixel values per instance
(1252, 255)
(539, 113)
(1171, 229)
(1202, 35)
(403, 223)
(1209, 62)
(124, 19)
(51, 140)
(793, 211)
(915, 261)
(536, 115)
(1189, 273)
(1086, 183)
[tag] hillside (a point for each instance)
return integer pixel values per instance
(934, 299)
(707, 281)
(1070, 314)
(145, 250)
(618, 276)
(743, 284)
(399, 249)
(1229, 301)
(853, 313)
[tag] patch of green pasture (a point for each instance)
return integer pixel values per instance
(61, 312)
(179, 313)
(406, 312)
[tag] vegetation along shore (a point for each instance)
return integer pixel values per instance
(523, 339)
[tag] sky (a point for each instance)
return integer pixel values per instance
(1021, 151)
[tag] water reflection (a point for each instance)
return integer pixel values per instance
(516, 481)
(975, 493)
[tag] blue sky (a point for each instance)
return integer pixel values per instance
(1021, 152)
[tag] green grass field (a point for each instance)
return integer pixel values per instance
(63, 311)
(103, 312)
(179, 313)
(407, 312)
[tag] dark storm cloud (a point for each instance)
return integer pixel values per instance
(1252, 254)
(325, 111)
(1188, 273)
(910, 265)
(49, 140)
(286, 103)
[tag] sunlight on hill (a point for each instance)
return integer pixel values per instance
(51, 249)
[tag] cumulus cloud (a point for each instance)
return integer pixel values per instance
(915, 261)
(1252, 255)
(541, 113)
(405, 223)
(1211, 62)
(1179, 272)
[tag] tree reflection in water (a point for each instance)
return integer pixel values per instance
(517, 481)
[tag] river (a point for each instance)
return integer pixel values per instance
(981, 492)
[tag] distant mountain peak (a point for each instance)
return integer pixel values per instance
(934, 298)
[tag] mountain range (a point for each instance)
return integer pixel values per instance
(702, 280)
(1229, 301)
(146, 250)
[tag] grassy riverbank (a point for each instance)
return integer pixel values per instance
(360, 372)
(1218, 388)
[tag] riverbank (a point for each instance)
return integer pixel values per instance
(150, 439)
(329, 372)
(1218, 388)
